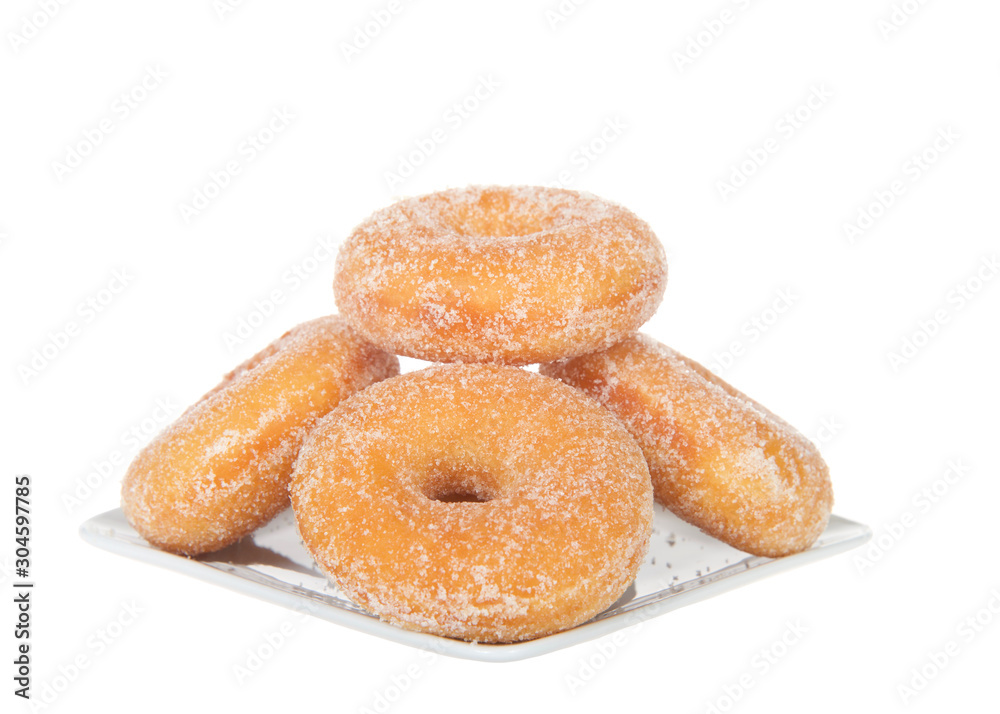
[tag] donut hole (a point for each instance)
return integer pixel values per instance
(460, 485)
(505, 213)
(461, 497)
(475, 224)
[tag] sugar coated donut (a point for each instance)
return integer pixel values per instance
(717, 458)
(222, 469)
(499, 274)
(475, 501)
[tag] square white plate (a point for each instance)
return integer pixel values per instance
(683, 566)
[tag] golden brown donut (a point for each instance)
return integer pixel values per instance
(717, 458)
(475, 501)
(222, 469)
(499, 274)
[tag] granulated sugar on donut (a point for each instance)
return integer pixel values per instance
(222, 469)
(475, 501)
(502, 274)
(717, 458)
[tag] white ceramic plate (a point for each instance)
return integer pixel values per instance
(683, 566)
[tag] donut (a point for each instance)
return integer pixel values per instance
(718, 459)
(474, 501)
(512, 275)
(222, 469)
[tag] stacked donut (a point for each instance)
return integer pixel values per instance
(473, 499)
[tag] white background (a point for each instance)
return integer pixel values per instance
(891, 430)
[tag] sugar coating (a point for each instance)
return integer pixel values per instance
(501, 274)
(222, 469)
(717, 458)
(562, 534)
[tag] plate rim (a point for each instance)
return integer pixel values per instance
(754, 568)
